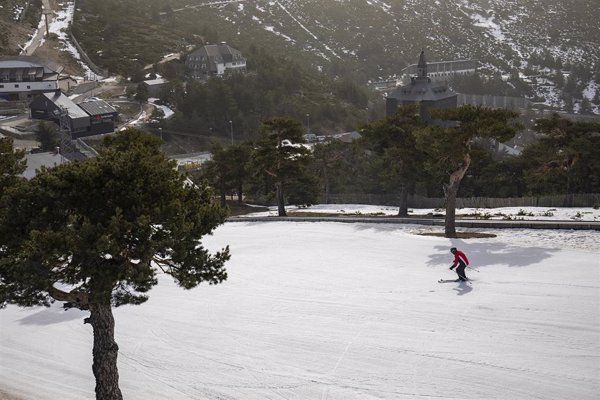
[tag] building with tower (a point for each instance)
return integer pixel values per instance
(422, 90)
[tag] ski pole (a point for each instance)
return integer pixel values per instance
(474, 269)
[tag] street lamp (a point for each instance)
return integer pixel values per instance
(307, 123)
(231, 130)
(161, 138)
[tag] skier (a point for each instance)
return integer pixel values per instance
(461, 260)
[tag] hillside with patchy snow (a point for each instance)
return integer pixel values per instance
(531, 40)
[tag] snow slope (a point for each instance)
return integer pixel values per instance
(340, 311)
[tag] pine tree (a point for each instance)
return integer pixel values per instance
(449, 145)
(399, 162)
(280, 155)
(94, 234)
(47, 135)
(12, 163)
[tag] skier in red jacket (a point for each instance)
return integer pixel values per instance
(461, 260)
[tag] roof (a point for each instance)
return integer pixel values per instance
(36, 161)
(62, 101)
(14, 62)
(97, 107)
(219, 52)
(159, 81)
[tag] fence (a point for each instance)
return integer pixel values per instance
(563, 200)
(102, 72)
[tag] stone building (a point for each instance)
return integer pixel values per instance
(215, 60)
(423, 91)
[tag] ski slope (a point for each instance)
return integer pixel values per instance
(340, 311)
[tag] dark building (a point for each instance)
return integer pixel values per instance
(102, 116)
(156, 87)
(85, 119)
(54, 106)
(422, 91)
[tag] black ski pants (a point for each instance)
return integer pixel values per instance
(460, 270)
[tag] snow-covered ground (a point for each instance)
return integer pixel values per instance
(167, 112)
(513, 213)
(340, 311)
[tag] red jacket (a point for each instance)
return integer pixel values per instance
(458, 255)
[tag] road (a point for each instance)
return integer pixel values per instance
(40, 33)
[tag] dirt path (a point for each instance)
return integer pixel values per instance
(39, 35)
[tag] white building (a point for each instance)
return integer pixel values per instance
(21, 77)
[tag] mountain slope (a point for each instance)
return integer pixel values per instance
(18, 19)
(533, 40)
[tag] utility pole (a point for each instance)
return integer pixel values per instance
(161, 138)
(46, 12)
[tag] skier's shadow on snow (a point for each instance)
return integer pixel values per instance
(481, 254)
(462, 288)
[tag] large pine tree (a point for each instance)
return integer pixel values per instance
(449, 146)
(95, 234)
(280, 156)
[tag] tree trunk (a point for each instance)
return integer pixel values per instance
(327, 184)
(223, 194)
(451, 192)
(280, 200)
(105, 353)
(450, 220)
(240, 194)
(403, 207)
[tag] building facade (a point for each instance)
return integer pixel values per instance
(23, 77)
(215, 60)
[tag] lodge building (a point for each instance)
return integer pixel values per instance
(23, 77)
(215, 60)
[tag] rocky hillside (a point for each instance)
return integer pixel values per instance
(18, 20)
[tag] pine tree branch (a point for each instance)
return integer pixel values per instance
(73, 299)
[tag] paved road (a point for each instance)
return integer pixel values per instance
(462, 223)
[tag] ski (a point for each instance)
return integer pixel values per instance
(452, 280)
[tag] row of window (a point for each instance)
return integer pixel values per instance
(17, 78)
(15, 86)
